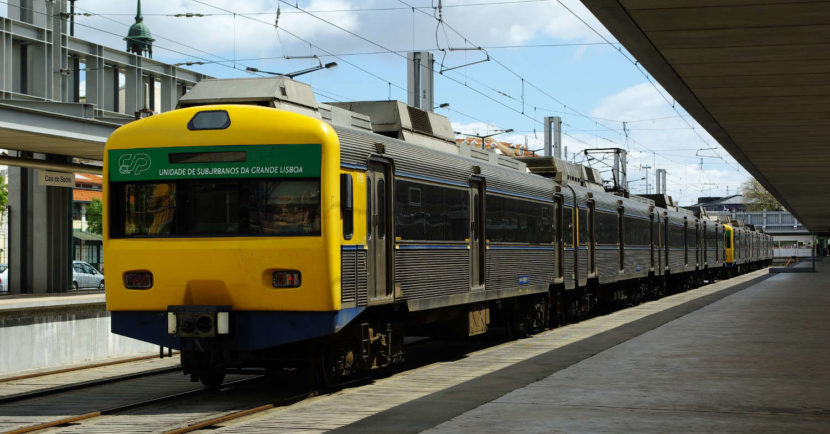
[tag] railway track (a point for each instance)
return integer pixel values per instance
(84, 384)
(78, 368)
(235, 399)
(124, 408)
(181, 411)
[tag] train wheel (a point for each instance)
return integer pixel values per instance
(212, 380)
(322, 366)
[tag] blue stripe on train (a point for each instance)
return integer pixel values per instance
(250, 330)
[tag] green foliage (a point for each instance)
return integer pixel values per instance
(758, 198)
(4, 194)
(94, 217)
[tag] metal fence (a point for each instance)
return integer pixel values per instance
(772, 222)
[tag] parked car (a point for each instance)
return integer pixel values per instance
(85, 276)
(4, 277)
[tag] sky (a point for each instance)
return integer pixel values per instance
(546, 58)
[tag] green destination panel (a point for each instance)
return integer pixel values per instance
(193, 162)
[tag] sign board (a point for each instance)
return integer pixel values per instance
(235, 161)
(56, 179)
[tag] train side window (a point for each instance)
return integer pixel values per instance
(582, 221)
(567, 226)
(381, 191)
(347, 205)
(368, 207)
(414, 196)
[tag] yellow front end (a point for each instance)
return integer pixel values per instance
(729, 244)
(234, 271)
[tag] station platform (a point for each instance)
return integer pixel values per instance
(748, 356)
(74, 327)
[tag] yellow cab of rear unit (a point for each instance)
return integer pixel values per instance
(729, 244)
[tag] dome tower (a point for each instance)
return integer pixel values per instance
(139, 40)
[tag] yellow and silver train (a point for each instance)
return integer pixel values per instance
(269, 232)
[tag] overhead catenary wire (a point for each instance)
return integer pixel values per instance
(364, 70)
(523, 79)
(502, 93)
(636, 64)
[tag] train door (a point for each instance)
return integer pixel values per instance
(704, 236)
(685, 241)
(652, 241)
(592, 245)
(665, 235)
(559, 212)
(379, 236)
(621, 233)
(477, 264)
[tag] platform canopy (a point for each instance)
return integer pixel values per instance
(754, 73)
(53, 128)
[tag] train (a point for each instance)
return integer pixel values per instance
(256, 230)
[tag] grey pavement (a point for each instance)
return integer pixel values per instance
(755, 361)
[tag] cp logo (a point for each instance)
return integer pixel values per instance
(133, 164)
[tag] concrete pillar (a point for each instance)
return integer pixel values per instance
(95, 79)
(133, 86)
(40, 228)
(169, 91)
(6, 58)
(58, 53)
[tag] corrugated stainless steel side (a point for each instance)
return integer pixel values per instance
(356, 146)
(432, 272)
(516, 182)
(581, 195)
(569, 268)
(582, 255)
(606, 202)
(676, 261)
(608, 265)
(353, 278)
(659, 261)
(637, 263)
(635, 207)
(506, 266)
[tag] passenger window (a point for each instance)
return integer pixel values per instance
(347, 205)
(381, 190)
(369, 210)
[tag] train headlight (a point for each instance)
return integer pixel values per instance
(138, 280)
(172, 323)
(222, 323)
(287, 279)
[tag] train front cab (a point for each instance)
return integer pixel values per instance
(222, 232)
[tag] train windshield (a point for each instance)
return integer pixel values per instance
(227, 207)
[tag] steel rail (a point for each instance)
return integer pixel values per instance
(122, 408)
(84, 384)
(78, 368)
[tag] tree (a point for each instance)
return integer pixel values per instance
(4, 194)
(758, 198)
(94, 218)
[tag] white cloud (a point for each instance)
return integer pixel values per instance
(252, 34)
(659, 137)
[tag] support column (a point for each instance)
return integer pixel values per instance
(40, 228)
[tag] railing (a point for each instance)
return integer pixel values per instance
(770, 221)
